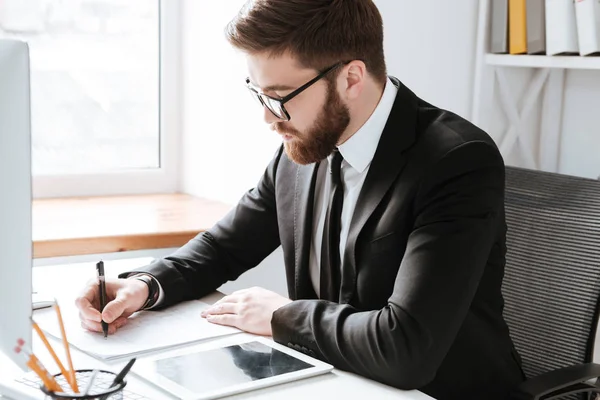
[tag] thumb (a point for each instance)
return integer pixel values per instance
(114, 309)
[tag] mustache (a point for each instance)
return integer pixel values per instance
(282, 129)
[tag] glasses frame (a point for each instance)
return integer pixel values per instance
(259, 95)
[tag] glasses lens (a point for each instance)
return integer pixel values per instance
(274, 106)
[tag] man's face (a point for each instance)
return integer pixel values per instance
(318, 115)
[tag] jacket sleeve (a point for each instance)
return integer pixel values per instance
(240, 241)
(458, 205)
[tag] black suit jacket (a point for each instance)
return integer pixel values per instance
(420, 304)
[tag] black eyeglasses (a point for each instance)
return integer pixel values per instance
(276, 106)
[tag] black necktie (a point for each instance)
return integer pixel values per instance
(330, 250)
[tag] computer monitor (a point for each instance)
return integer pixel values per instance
(15, 198)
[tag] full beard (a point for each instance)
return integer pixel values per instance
(320, 140)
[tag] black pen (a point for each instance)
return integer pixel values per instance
(102, 289)
(119, 378)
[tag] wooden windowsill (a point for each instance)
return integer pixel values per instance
(93, 225)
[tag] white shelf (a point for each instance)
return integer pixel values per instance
(541, 61)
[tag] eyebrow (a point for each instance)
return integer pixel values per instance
(273, 88)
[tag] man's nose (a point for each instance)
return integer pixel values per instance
(268, 116)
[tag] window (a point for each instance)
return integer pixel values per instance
(103, 93)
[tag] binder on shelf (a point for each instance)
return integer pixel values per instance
(499, 27)
(517, 27)
(587, 14)
(561, 28)
(536, 27)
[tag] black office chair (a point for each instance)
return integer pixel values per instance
(552, 281)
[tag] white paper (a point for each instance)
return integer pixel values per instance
(146, 331)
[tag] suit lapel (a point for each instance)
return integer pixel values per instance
(388, 162)
(306, 177)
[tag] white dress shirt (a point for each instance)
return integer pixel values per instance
(358, 152)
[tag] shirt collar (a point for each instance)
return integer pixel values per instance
(359, 150)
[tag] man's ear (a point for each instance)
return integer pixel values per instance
(355, 75)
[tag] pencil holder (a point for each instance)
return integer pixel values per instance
(99, 390)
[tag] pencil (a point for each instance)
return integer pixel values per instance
(36, 366)
(71, 373)
(52, 352)
(90, 383)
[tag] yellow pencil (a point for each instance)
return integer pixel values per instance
(71, 373)
(53, 353)
(36, 366)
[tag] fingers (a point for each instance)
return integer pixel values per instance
(87, 311)
(114, 309)
(88, 323)
(121, 303)
(119, 323)
(223, 308)
(126, 300)
(91, 325)
(225, 319)
(94, 326)
(87, 303)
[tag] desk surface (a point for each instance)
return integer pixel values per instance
(338, 384)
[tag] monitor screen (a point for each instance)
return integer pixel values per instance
(15, 198)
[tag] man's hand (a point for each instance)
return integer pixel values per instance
(125, 296)
(250, 310)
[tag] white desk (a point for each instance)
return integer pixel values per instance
(338, 384)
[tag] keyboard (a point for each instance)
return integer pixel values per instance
(32, 380)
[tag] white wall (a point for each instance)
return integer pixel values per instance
(430, 47)
(226, 146)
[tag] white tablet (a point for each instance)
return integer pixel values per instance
(227, 366)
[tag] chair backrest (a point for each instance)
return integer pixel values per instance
(552, 279)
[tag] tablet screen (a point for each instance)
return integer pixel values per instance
(218, 368)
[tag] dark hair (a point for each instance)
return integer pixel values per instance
(318, 33)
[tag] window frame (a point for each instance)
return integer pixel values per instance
(165, 178)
